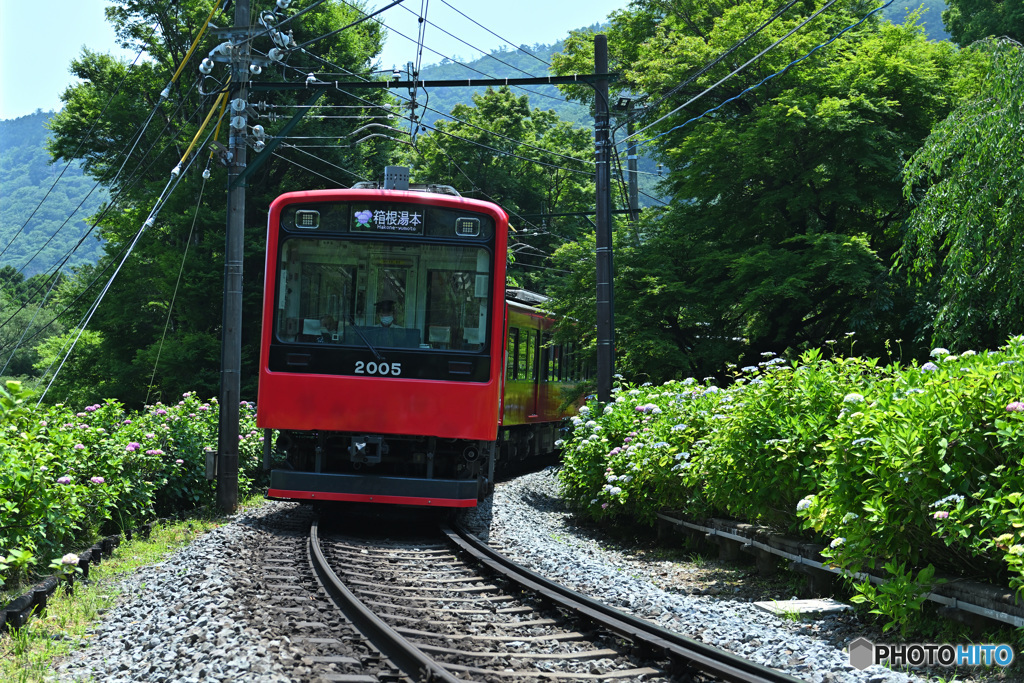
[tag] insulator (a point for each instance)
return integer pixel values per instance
(276, 54)
(238, 123)
(206, 174)
(255, 69)
(310, 79)
(259, 145)
(238, 104)
(166, 92)
(268, 19)
(259, 132)
(283, 4)
(176, 171)
(206, 66)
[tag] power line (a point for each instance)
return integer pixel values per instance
(468, 44)
(518, 47)
(703, 70)
(74, 156)
(347, 26)
(769, 77)
(134, 178)
(741, 68)
(443, 56)
(168, 190)
(496, 134)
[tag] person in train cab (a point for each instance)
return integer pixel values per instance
(386, 313)
(328, 329)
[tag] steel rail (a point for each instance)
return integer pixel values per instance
(400, 651)
(709, 659)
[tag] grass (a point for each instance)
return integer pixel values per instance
(27, 654)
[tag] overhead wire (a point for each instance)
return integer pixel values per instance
(168, 190)
(742, 67)
(129, 183)
(177, 283)
(163, 96)
(347, 26)
(455, 61)
(468, 44)
(518, 47)
(457, 120)
(74, 156)
(307, 169)
(707, 67)
(765, 79)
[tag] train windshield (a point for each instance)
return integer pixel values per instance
(383, 295)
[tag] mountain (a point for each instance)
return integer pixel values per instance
(529, 60)
(931, 16)
(25, 177)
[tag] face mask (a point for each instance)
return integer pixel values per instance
(386, 320)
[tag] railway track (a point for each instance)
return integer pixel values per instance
(447, 607)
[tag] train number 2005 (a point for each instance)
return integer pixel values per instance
(371, 368)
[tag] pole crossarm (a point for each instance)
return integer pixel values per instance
(450, 83)
(572, 213)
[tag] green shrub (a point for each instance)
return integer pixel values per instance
(909, 467)
(67, 476)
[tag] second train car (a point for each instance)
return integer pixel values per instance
(393, 365)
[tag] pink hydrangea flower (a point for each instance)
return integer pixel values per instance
(98, 480)
(941, 514)
(1015, 407)
(64, 480)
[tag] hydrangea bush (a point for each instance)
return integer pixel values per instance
(900, 466)
(67, 475)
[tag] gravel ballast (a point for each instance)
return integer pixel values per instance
(199, 615)
(530, 523)
(196, 616)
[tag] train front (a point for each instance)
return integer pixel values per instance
(382, 346)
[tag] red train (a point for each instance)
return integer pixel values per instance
(393, 365)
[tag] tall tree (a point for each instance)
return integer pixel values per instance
(971, 20)
(966, 233)
(787, 205)
(133, 321)
(529, 161)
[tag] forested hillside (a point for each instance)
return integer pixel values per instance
(931, 16)
(530, 60)
(25, 177)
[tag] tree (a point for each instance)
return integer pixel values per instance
(489, 154)
(966, 233)
(971, 20)
(787, 204)
(132, 323)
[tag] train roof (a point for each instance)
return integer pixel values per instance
(525, 296)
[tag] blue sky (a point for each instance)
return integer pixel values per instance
(37, 46)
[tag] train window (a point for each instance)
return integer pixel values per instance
(524, 343)
(511, 352)
(402, 294)
(456, 310)
(526, 358)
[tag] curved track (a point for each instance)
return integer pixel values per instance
(449, 608)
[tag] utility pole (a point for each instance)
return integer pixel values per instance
(231, 333)
(605, 300)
